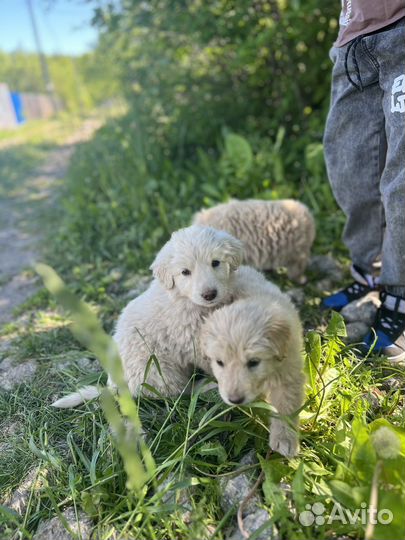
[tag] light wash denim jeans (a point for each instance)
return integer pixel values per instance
(364, 146)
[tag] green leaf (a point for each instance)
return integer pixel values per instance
(363, 457)
(342, 493)
(336, 326)
(314, 159)
(313, 358)
(240, 440)
(239, 152)
(138, 462)
(298, 487)
(394, 502)
(274, 495)
(213, 449)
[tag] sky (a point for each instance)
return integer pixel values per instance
(64, 26)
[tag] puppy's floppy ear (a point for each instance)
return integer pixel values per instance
(161, 266)
(232, 250)
(278, 332)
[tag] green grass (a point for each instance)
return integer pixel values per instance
(40, 131)
(122, 199)
(24, 148)
(195, 440)
(119, 209)
(22, 151)
(16, 164)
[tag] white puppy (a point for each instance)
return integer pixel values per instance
(254, 349)
(194, 274)
(276, 234)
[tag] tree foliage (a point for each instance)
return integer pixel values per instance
(226, 99)
(190, 67)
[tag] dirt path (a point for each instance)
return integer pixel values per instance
(19, 232)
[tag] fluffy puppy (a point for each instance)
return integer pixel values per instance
(253, 347)
(194, 274)
(275, 233)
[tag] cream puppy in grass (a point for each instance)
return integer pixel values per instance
(275, 234)
(195, 273)
(253, 347)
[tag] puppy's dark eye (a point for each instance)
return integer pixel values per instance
(215, 263)
(253, 362)
(220, 363)
(186, 272)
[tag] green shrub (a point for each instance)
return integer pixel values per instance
(121, 207)
(225, 100)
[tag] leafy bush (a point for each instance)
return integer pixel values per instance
(225, 100)
(189, 68)
(121, 207)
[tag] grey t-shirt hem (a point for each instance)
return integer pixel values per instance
(347, 34)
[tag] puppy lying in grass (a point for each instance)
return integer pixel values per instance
(275, 234)
(253, 348)
(195, 273)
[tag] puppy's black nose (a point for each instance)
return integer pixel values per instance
(236, 400)
(209, 294)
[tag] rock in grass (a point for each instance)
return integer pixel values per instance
(325, 286)
(13, 373)
(19, 498)
(173, 495)
(181, 499)
(373, 399)
(356, 332)
(250, 458)
(88, 365)
(297, 296)
(235, 489)
(8, 431)
(53, 529)
(254, 521)
(325, 265)
(363, 310)
(394, 383)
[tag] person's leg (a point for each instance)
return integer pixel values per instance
(355, 146)
(389, 326)
(391, 57)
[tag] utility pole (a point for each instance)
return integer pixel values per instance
(50, 89)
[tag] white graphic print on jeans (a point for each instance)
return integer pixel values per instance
(398, 101)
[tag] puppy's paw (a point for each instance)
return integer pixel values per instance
(283, 439)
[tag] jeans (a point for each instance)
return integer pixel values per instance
(364, 145)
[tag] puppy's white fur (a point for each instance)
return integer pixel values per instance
(264, 330)
(276, 234)
(165, 320)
